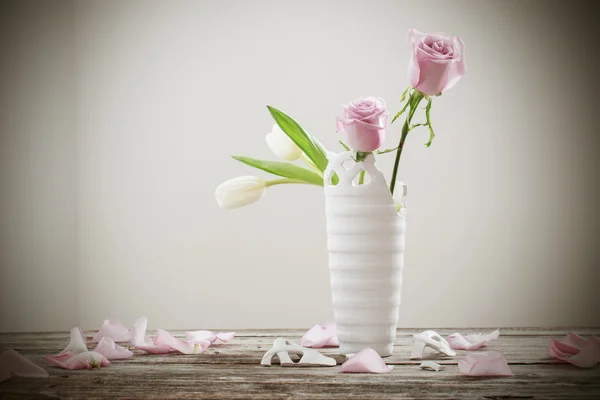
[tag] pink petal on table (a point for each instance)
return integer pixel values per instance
(113, 329)
(573, 339)
(76, 343)
(138, 333)
(112, 351)
(14, 364)
(225, 336)
(143, 342)
(85, 360)
(210, 336)
(489, 363)
(574, 349)
(472, 341)
(164, 338)
(321, 336)
(366, 360)
(153, 349)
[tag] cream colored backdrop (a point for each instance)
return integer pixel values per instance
(118, 119)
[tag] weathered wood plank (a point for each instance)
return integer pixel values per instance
(231, 371)
(252, 382)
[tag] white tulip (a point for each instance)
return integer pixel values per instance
(240, 191)
(282, 145)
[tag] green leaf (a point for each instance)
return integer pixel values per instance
(386, 150)
(344, 145)
(286, 170)
(309, 145)
(402, 111)
(409, 91)
(403, 97)
(428, 116)
(413, 126)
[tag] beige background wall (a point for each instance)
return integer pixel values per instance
(118, 118)
(38, 166)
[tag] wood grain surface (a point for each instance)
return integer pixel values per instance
(233, 371)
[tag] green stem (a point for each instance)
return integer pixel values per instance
(361, 177)
(414, 101)
(285, 181)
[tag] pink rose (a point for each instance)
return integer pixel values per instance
(363, 123)
(437, 62)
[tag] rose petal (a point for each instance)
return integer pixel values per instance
(574, 349)
(76, 344)
(366, 360)
(153, 349)
(472, 341)
(573, 339)
(164, 338)
(85, 360)
(490, 363)
(225, 336)
(14, 364)
(138, 333)
(321, 336)
(113, 329)
(459, 68)
(112, 351)
(209, 336)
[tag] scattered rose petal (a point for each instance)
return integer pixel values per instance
(138, 333)
(153, 349)
(76, 343)
(113, 329)
(430, 365)
(573, 339)
(112, 351)
(143, 342)
(472, 341)
(490, 363)
(366, 360)
(164, 338)
(85, 360)
(210, 336)
(574, 349)
(14, 364)
(321, 336)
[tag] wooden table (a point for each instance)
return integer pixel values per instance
(233, 371)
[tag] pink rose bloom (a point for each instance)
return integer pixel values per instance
(363, 123)
(437, 62)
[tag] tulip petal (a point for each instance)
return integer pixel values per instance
(321, 336)
(14, 364)
(209, 336)
(112, 351)
(472, 341)
(85, 360)
(574, 349)
(76, 344)
(281, 144)
(368, 361)
(113, 329)
(490, 363)
(240, 191)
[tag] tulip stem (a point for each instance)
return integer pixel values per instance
(284, 181)
(413, 101)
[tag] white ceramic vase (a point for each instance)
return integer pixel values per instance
(365, 239)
